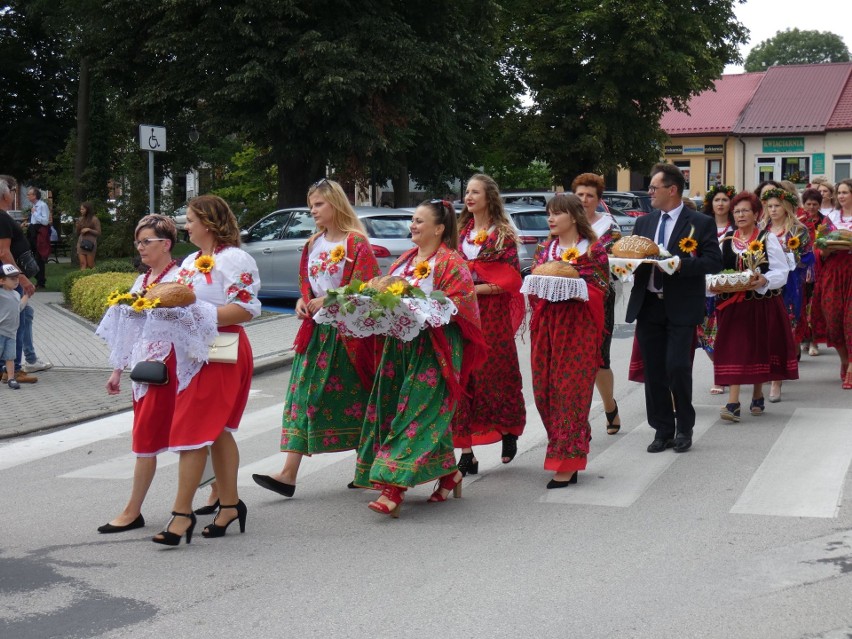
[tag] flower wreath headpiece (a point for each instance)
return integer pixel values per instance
(719, 188)
(781, 194)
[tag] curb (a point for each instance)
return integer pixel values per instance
(262, 365)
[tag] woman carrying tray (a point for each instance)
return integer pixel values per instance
(493, 407)
(833, 294)
(566, 339)
(331, 373)
(754, 342)
(406, 438)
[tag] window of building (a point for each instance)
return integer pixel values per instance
(842, 167)
(714, 173)
(796, 169)
(684, 167)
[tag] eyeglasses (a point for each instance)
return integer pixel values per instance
(742, 211)
(147, 241)
(319, 183)
(654, 189)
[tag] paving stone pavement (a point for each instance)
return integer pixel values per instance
(74, 390)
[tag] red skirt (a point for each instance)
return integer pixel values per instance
(215, 399)
(754, 343)
(832, 302)
(495, 404)
(152, 415)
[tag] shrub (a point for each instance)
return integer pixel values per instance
(89, 294)
(117, 265)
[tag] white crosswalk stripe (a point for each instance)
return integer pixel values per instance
(802, 475)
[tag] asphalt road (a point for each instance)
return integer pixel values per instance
(746, 535)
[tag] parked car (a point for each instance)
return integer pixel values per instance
(18, 216)
(535, 198)
(632, 203)
(626, 222)
(179, 216)
(277, 240)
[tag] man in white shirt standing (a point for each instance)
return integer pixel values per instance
(39, 230)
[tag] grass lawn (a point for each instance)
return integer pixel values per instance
(56, 275)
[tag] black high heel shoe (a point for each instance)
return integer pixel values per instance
(510, 447)
(612, 429)
(215, 530)
(553, 483)
(467, 466)
(168, 538)
(209, 509)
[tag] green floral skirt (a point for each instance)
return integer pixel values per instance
(325, 405)
(406, 439)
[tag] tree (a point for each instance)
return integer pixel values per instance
(797, 47)
(601, 74)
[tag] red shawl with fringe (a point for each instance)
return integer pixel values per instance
(499, 266)
(360, 264)
(452, 276)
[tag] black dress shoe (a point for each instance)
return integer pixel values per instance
(659, 445)
(553, 483)
(139, 522)
(209, 509)
(682, 443)
(265, 481)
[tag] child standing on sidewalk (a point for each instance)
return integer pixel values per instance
(11, 305)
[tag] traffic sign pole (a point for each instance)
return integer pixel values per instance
(151, 139)
(151, 182)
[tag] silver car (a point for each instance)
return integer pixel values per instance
(277, 240)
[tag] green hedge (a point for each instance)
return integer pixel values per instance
(89, 294)
(118, 265)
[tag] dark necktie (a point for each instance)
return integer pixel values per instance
(661, 240)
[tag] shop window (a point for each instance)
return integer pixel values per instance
(796, 169)
(684, 167)
(714, 173)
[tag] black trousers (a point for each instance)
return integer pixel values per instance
(667, 356)
(32, 237)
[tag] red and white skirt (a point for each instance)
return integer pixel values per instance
(152, 415)
(754, 342)
(215, 399)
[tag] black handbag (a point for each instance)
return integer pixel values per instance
(27, 264)
(150, 372)
(87, 245)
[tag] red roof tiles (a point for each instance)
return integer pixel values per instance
(714, 112)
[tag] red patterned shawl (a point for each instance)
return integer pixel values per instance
(452, 276)
(360, 264)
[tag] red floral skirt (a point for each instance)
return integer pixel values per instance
(754, 343)
(565, 358)
(832, 301)
(495, 404)
(152, 415)
(215, 399)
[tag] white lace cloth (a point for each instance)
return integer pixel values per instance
(150, 335)
(623, 268)
(404, 322)
(556, 289)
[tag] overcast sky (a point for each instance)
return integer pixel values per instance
(765, 18)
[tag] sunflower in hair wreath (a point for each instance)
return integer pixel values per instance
(689, 244)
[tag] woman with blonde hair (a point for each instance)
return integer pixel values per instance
(779, 206)
(566, 340)
(208, 411)
(827, 191)
(493, 409)
(331, 374)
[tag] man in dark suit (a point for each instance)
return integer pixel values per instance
(669, 307)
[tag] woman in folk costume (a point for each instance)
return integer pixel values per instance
(779, 217)
(589, 187)
(332, 375)
(754, 343)
(406, 439)
(493, 407)
(566, 340)
(208, 411)
(813, 218)
(833, 294)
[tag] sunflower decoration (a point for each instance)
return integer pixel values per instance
(794, 242)
(422, 270)
(204, 263)
(570, 255)
(139, 304)
(117, 297)
(755, 246)
(689, 244)
(397, 288)
(362, 286)
(337, 254)
(479, 238)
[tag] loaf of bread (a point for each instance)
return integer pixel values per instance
(382, 282)
(556, 269)
(635, 247)
(171, 294)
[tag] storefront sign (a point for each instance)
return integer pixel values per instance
(783, 145)
(818, 164)
(712, 148)
(691, 150)
(672, 149)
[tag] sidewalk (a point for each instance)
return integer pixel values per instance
(74, 390)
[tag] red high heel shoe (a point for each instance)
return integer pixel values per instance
(452, 482)
(847, 381)
(394, 494)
